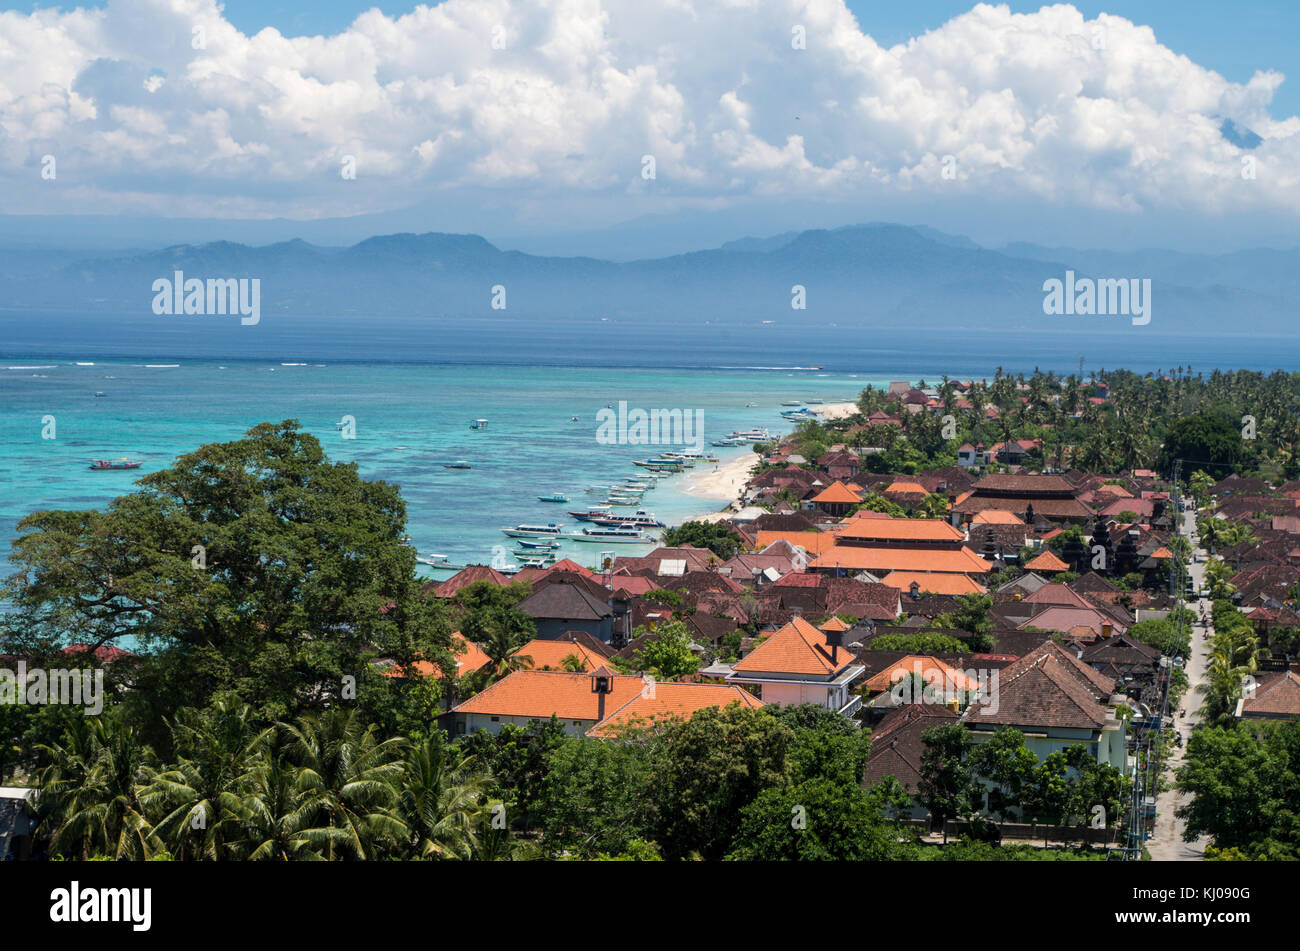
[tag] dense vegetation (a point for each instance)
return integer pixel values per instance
(1141, 422)
(1244, 782)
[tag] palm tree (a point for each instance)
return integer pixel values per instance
(273, 813)
(347, 783)
(501, 642)
(88, 792)
(441, 801)
(198, 800)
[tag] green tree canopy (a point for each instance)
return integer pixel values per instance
(255, 568)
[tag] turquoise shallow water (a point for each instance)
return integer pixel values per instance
(531, 446)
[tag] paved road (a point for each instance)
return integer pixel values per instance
(1166, 842)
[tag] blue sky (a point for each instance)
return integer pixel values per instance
(999, 126)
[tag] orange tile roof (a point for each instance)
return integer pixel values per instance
(933, 582)
(1047, 561)
(852, 558)
(996, 517)
(838, 492)
(544, 653)
(950, 677)
(813, 542)
(1162, 552)
(1117, 490)
(898, 529)
(539, 694)
(834, 624)
(797, 648)
(906, 488)
(672, 701)
(469, 658)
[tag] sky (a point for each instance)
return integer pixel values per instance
(534, 120)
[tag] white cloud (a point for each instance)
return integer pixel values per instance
(1025, 103)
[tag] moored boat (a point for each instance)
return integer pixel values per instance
(438, 561)
(538, 544)
(640, 519)
(593, 511)
(614, 536)
(124, 463)
(525, 530)
(556, 497)
(660, 464)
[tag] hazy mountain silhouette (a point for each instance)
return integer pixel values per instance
(878, 276)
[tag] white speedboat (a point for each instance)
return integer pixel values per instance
(532, 531)
(438, 561)
(638, 519)
(614, 536)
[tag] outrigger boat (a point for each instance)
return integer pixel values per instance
(692, 456)
(122, 463)
(593, 511)
(662, 465)
(540, 544)
(534, 563)
(458, 464)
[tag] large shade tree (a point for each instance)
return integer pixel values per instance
(255, 568)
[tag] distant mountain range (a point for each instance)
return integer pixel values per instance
(878, 276)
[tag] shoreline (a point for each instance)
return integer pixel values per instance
(725, 484)
(836, 410)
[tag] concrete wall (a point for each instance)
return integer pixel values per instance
(467, 723)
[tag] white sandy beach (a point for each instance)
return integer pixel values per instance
(724, 484)
(836, 410)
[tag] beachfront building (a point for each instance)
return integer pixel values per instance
(801, 664)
